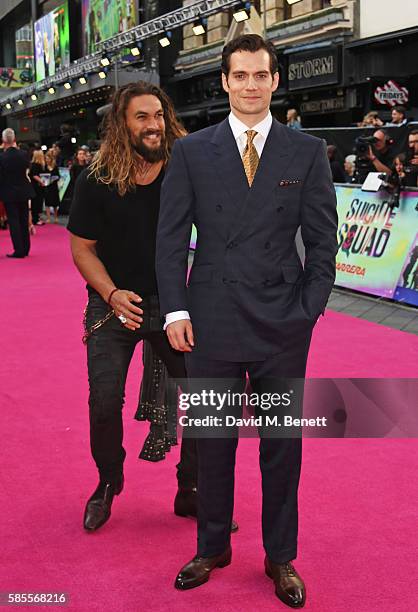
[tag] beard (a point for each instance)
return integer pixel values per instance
(149, 154)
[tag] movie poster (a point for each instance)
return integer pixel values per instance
(407, 289)
(374, 239)
(15, 77)
(52, 42)
(105, 18)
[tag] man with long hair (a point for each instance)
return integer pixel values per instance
(113, 224)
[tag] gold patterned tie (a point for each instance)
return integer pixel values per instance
(250, 157)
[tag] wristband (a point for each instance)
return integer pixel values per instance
(374, 158)
(111, 293)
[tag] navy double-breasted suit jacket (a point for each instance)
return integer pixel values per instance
(248, 295)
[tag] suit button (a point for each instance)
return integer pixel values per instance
(267, 245)
(231, 245)
(224, 280)
(218, 208)
(279, 209)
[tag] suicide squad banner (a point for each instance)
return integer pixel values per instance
(377, 244)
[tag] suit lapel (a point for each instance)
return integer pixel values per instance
(227, 160)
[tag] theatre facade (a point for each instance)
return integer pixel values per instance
(330, 75)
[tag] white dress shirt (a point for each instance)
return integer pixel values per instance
(239, 131)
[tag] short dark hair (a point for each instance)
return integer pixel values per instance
(385, 134)
(413, 132)
(251, 43)
(400, 109)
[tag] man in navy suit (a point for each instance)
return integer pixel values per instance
(15, 192)
(247, 184)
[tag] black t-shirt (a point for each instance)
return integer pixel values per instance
(125, 228)
(385, 158)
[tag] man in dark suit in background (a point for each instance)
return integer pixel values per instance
(248, 184)
(15, 191)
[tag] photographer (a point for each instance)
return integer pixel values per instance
(411, 163)
(380, 153)
(373, 154)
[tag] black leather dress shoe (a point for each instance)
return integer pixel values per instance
(99, 505)
(185, 504)
(290, 588)
(198, 570)
(14, 256)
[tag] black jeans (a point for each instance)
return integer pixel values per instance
(18, 218)
(109, 353)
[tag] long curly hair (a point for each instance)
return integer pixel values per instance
(116, 161)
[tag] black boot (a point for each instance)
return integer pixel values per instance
(99, 505)
(185, 504)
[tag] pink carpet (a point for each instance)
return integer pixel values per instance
(358, 498)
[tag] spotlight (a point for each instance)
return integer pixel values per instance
(242, 12)
(8, 106)
(105, 61)
(67, 85)
(165, 39)
(51, 90)
(136, 49)
(20, 102)
(34, 97)
(44, 148)
(82, 80)
(102, 74)
(73, 139)
(199, 27)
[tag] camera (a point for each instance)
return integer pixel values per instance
(362, 145)
(411, 170)
(393, 185)
(362, 165)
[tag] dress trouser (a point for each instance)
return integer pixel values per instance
(109, 353)
(18, 218)
(36, 207)
(280, 459)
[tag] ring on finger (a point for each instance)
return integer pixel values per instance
(122, 319)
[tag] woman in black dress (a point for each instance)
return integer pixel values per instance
(36, 169)
(52, 199)
(78, 165)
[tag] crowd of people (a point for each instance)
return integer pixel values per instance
(33, 175)
(379, 153)
(372, 154)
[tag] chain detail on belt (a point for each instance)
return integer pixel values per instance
(88, 332)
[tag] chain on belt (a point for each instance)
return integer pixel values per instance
(88, 332)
